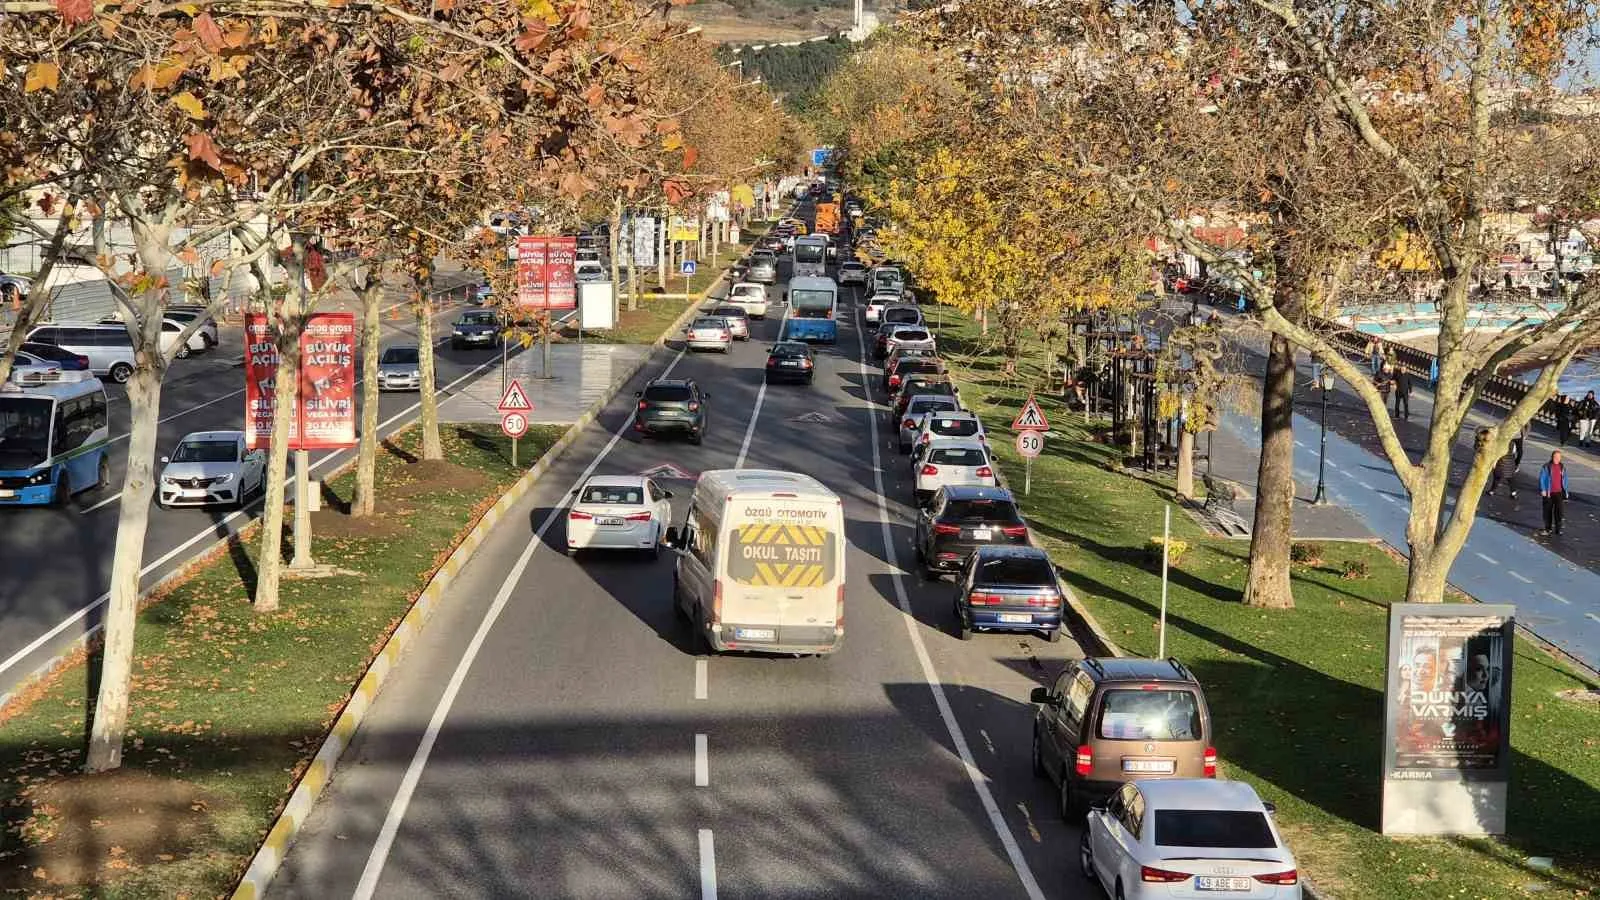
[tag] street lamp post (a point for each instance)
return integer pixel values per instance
(1325, 382)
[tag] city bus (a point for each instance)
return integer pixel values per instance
(810, 255)
(813, 310)
(53, 437)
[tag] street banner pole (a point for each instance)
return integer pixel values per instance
(1166, 544)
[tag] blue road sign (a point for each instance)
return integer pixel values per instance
(819, 155)
(687, 268)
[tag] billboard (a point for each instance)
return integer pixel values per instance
(821, 155)
(644, 240)
(683, 229)
(546, 276)
(324, 417)
(1447, 722)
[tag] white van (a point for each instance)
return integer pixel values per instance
(761, 562)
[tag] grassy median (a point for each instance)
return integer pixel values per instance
(1296, 695)
(229, 706)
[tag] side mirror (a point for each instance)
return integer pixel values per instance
(706, 394)
(1041, 695)
(638, 393)
(165, 460)
(666, 495)
(673, 537)
(1269, 806)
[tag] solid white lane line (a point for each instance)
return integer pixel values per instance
(1519, 576)
(708, 866)
(181, 413)
(1486, 558)
(1593, 616)
(78, 616)
(702, 762)
(1299, 443)
(700, 679)
(1557, 597)
(106, 502)
(958, 738)
(750, 430)
(368, 884)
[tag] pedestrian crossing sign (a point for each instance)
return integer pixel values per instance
(1031, 418)
(515, 399)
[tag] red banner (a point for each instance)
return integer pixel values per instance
(546, 272)
(326, 415)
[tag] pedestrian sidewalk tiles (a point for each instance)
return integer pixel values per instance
(579, 375)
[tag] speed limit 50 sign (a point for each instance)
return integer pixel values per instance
(1030, 444)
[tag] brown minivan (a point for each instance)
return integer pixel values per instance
(1107, 721)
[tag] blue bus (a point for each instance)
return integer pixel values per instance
(53, 437)
(810, 255)
(813, 310)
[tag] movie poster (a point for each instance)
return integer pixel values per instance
(1449, 692)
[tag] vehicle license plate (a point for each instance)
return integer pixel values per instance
(792, 363)
(1220, 883)
(192, 493)
(982, 534)
(1017, 618)
(608, 520)
(1150, 766)
(755, 634)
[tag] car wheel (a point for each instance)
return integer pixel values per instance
(121, 372)
(1086, 857)
(1053, 636)
(183, 352)
(697, 439)
(964, 629)
(1039, 771)
(655, 548)
(1067, 801)
(63, 494)
(104, 473)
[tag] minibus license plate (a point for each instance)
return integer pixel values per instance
(755, 634)
(1220, 883)
(1151, 766)
(7, 494)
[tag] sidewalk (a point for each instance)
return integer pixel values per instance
(1236, 460)
(579, 375)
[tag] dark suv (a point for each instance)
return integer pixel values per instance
(1106, 721)
(672, 406)
(962, 518)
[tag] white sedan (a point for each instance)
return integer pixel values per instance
(211, 468)
(852, 272)
(949, 461)
(1187, 837)
(751, 296)
(618, 512)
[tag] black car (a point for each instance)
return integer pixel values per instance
(791, 361)
(909, 367)
(475, 328)
(1009, 588)
(672, 406)
(65, 359)
(921, 383)
(961, 519)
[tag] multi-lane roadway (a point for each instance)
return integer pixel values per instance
(57, 563)
(554, 735)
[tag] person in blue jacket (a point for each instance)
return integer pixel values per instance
(1553, 488)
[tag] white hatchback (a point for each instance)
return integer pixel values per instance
(1187, 837)
(618, 512)
(950, 461)
(751, 296)
(955, 424)
(211, 468)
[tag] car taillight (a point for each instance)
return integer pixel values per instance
(894, 380)
(83, 361)
(942, 528)
(694, 406)
(908, 423)
(726, 334)
(1210, 765)
(639, 517)
(716, 600)
(1162, 876)
(578, 515)
(771, 361)
(930, 469)
(1014, 530)
(1083, 763)
(644, 404)
(1047, 600)
(982, 599)
(985, 472)
(1289, 877)
(805, 363)
(830, 313)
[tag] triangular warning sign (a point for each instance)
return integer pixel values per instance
(514, 399)
(667, 472)
(1031, 418)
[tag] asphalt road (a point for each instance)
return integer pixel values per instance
(554, 736)
(57, 563)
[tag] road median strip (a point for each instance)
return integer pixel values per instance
(1296, 695)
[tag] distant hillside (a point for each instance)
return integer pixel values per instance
(793, 73)
(767, 21)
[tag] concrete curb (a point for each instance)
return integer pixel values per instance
(280, 837)
(49, 667)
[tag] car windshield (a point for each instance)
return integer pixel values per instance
(916, 366)
(910, 334)
(1017, 570)
(749, 290)
(763, 257)
(789, 350)
(980, 510)
(928, 404)
(675, 393)
(613, 494)
(915, 386)
(400, 356)
(1232, 828)
(730, 312)
(958, 456)
(954, 427)
(902, 316)
(710, 323)
(478, 318)
(24, 432)
(206, 451)
(1141, 715)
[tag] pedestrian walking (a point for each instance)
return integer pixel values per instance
(1385, 383)
(1563, 419)
(1433, 372)
(1516, 444)
(1587, 412)
(1375, 356)
(1553, 488)
(1401, 379)
(1504, 472)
